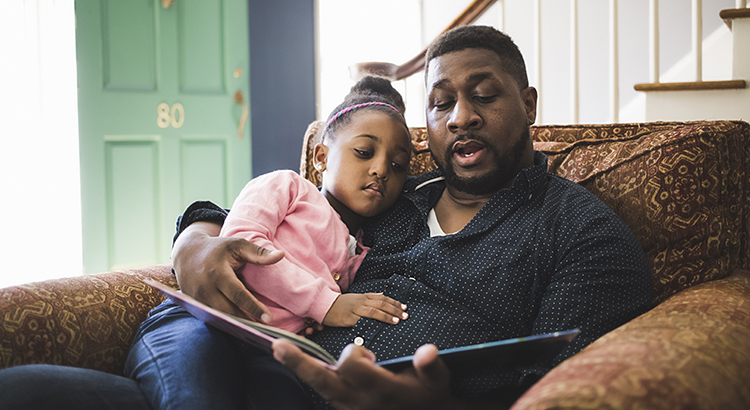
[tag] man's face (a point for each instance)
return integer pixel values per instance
(478, 121)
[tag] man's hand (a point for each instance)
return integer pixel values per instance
(349, 307)
(360, 384)
(206, 266)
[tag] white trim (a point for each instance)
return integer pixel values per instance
(429, 182)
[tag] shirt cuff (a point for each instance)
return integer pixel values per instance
(200, 211)
(322, 305)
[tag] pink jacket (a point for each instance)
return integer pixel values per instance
(281, 210)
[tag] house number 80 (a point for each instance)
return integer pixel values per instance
(166, 116)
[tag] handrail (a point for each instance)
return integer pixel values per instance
(398, 72)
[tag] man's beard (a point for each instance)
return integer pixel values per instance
(500, 176)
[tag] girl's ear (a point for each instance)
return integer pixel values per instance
(320, 155)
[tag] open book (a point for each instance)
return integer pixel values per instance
(510, 352)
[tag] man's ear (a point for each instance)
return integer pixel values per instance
(529, 98)
(320, 155)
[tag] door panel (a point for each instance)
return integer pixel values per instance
(133, 200)
(201, 43)
(203, 165)
(158, 121)
(128, 45)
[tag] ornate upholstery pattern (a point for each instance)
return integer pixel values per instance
(306, 168)
(678, 186)
(690, 352)
(85, 321)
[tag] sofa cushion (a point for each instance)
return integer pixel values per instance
(690, 352)
(678, 186)
(85, 321)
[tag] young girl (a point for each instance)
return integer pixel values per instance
(363, 157)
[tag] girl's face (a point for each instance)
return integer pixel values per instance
(365, 164)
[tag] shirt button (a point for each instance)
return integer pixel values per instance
(336, 276)
(359, 341)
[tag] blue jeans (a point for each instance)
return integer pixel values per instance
(67, 388)
(181, 363)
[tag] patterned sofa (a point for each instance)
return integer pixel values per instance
(683, 188)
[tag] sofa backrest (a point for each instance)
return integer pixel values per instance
(683, 188)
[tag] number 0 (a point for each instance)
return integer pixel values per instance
(177, 107)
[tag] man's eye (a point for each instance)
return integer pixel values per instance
(363, 153)
(485, 99)
(442, 105)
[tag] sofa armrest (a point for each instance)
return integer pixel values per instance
(690, 352)
(85, 321)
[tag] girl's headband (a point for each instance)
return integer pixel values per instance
(356, 106)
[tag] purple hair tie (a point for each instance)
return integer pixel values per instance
(356, 106)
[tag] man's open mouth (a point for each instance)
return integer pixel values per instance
(467, 149)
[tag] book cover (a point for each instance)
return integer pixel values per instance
(510, 352)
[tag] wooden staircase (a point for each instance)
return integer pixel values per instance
(723, 96)
(725, 99)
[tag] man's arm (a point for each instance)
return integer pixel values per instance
(360, 384)
(206, 265)
(601, 281)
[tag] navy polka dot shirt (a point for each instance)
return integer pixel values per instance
(541, 256)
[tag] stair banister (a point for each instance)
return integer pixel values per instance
(574, 87)
(614, 64)
(698, 38)
(398, 72)
(654, 39)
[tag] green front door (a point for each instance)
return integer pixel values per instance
(162, 97)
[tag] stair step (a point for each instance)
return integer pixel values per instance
(692, 85)
(730, 14)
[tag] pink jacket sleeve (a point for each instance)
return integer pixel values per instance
(262, 206)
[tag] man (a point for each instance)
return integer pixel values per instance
(488, 247)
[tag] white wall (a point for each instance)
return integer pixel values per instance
(40, 208)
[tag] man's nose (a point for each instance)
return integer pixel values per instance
(463, 117)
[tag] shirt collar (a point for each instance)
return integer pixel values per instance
(532, 179)
(528, 183)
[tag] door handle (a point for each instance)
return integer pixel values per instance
(239, 98)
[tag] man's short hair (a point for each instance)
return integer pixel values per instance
(485, 37)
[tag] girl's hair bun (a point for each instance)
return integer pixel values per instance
(376, 89)
(368, 89)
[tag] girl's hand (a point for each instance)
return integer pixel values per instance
(349, 307)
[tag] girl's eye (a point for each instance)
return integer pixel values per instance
(398, 166)
(363, 153)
